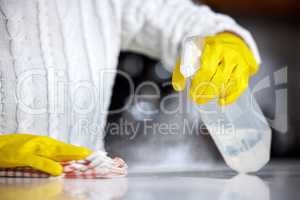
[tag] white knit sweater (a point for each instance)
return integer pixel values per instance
(58, 57)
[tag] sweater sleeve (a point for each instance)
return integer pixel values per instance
(158, 27)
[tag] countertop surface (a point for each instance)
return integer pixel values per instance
(279, 180)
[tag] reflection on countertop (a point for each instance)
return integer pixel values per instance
(62, 189)
(147, 186)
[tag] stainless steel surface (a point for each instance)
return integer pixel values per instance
(278, 181)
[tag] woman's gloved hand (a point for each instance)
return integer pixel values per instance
(226, 66)
(39, 152)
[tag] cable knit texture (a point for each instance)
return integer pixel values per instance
(58, 58)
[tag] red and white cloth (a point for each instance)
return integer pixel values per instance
(22, 172)
(72, 169)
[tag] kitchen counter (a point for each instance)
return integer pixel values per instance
(279, 180)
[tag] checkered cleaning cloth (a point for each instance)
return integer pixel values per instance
(71, 170)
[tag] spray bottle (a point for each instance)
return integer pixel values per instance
(239, 130)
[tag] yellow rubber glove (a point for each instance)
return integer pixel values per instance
(227, 63)
(39, 152)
